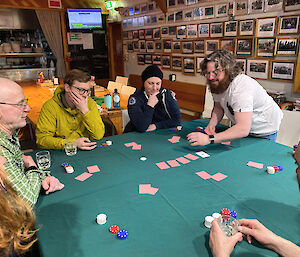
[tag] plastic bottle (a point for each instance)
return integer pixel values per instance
(116, 99)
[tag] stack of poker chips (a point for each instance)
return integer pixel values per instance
(272, 169)
(225, 211)
(68, 167)
(294, 148)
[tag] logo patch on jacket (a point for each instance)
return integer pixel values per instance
(230, 109)
(132, 101)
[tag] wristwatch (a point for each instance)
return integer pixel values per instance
(211, 139)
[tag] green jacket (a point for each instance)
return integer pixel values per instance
(57, 124)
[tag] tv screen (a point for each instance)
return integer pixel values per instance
(85, 18)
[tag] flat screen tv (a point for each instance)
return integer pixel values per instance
(84, 18)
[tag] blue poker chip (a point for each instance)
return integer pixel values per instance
(99, 146)
(280, 168)
(64, 164)
(122, 234)
(233, 214)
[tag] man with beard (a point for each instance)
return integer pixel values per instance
(244, 101)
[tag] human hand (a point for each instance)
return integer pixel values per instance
(51, 184)
(220, 244)
(80, 102)
(84, 143)
(153, 100)
(151, 127)
(198, 138)
(210, 130)
(28, 161)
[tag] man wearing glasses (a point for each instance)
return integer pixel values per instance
(70, 116)
(21, 170)
(244, 101)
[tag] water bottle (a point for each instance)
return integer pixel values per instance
(116, 99)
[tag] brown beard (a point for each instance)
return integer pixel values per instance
(221, 87)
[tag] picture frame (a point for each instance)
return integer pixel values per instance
(181, 3)
(135, 22)
(147, 20)
(198, 13)
(198, 62)
(176, 47)
(176, 63)
(211, 45)
(221, 10)
(265, 47)
(158, 46)
(227, 44)
(135, 34)
(144, 8)
(150, 46)
(161, 18)
(142, 45)
(172, 31)
(272, 6)
(148, 58)
(230, 28)
(148, 33)
(141, 21)
(129, 46)
(124, 23)
(243, 64)
(181, 32)
(125, 12)
(187, 15)
(156, 33)
(241, 7)
(140, 59)
(130, 11)
(288, 25)
(166, 61)
(167, 45)
(164, 32)
(191, 31)
(171, 3)
(203, 30)
(125, 35)
(209, 12)
(129, 35)
(244, 46)
(291, 5)
(141, 34)
(137, 9)
(247, 27)
(188, 65)
(199, 46)
(282, 70)
(190, 2)
(256, 6)
(153, 19)
(136, 47)
(179, 16)
(216, 29)
(156, 59)
(187, 47)
(150, 7)
(171, 17)
(129, 23)
(258, 69)
(265, 27)
(286, 47)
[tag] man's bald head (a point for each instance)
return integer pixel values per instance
(8, 88)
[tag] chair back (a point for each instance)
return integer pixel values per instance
(122, 80)
(127, 90)
(114, 85)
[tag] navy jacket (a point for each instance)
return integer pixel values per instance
(165, 113)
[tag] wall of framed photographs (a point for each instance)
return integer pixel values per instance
(262, 34)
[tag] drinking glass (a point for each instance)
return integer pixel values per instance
(70, 148)
(228, 225)
(43, 159)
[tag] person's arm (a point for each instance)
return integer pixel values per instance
(253, 228)
(217, 114)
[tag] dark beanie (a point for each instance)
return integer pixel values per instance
(151, 71)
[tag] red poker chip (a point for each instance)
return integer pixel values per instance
(114, 229)
(225, 211)
(104, 144)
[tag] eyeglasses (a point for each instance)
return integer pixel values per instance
(215, 72)
(82, 90)
(22, 104)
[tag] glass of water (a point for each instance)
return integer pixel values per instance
(43, 159)
(70, 148)
(228, 224)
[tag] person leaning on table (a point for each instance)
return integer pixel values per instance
(153, 107)
(70, 115)
(244, 101)
(222, 246)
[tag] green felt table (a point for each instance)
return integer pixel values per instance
(169, 223)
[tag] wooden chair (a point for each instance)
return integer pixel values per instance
(122, 80)
(127, 90)
(114, 85)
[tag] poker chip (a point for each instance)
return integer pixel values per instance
(225, 211)
(280, 168)
(123, 234)
(64, 164)
(99, 146)
(270, 170)
(207, 221)
(114, 229)
(233, 214)
(143, 158)
(108, 142)
(104, 144)
(179, 127)
(276, 168)
(216, 215)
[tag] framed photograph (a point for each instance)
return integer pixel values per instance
(181, 3)
(150, 46)
(142, 45)
(148, 33)
(191, 31)
(211, 45)
(176, 63)
(166, 61)
(187, 47)
(129, 46)
(258, 69)
(230, 9)
(203, 30)
(171, 17)
(156, 59)
(176, 46)
(124, 23)
(161, 18)
(272, 6)
(141, 34)
(198, 61)
(164, 32)
(179, 16)
(136, 46)
(199, 47)
(125, 35)
(151, 7)
(209, 12)
(153, 19)
(129, 34)
(172, 31)
(256, 6)
(171, 3)
(230, 28)
(216, 29)
(135, 22)
(198, 13)
(148, 59)
(141, 21)
(144, 8)
(147, 20)
(181, 32)
(137, 9)
(265, 47)
(131, 11)
(188, 65)
(221, 10)
(282, 70)
(156, 33)
(190, 2)
(227, 44)
(135, 34)
(125, 12)
(291, 5)
(187, 15)
(140, 59)
(129, 22)
(265, 27)
(158, 46)
(247, 28)
(242, 63)
(288, 25)
(244, 46)
(286, 47)
(241, 7)
(167, 45)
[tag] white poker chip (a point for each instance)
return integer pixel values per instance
(143, 158)
(101, 218)
(270, 170)
(179, 127)
(208, 220)
(108, 142)
(69, 169)
(216, 215)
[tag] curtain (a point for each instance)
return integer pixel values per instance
(50, 23)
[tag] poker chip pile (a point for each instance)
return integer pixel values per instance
(225, 211)
(68, 168)
(273, 169)
(107, 143)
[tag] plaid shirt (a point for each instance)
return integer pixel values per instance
(27, 184)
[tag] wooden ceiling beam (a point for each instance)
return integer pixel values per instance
(162, 5)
